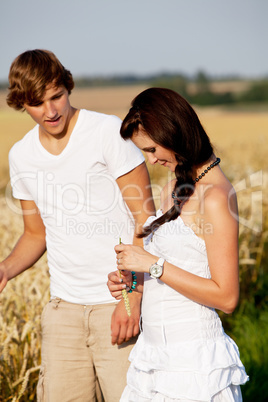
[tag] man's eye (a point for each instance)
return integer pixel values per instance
(35, 104)
(57, 96)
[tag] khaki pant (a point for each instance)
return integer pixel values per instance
(77, 354)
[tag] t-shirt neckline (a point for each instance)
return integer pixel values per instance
(65, 150)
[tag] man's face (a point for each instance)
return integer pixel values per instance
(53, 112)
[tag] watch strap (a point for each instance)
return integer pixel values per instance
(161, 261)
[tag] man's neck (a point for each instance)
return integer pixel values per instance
(55, 144)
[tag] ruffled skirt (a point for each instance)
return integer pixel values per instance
(200, 370)
(229, 394)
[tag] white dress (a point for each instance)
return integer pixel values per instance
(182, 353)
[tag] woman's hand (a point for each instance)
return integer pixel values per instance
(117, 281)
(134, 258)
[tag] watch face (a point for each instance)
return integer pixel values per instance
(156, 270)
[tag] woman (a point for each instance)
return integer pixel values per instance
(189, 262)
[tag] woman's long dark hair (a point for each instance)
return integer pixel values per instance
(169, 120)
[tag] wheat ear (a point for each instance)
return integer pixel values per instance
(124, 294)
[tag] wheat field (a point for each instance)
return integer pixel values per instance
(241, 141)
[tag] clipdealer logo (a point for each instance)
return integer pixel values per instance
(249, 192)
(250, 196)
(64, 202)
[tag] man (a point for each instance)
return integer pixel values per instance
(81, 187)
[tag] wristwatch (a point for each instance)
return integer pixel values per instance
(156, 270)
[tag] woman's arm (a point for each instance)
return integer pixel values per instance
(222, 290)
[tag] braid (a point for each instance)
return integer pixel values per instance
(184, 188)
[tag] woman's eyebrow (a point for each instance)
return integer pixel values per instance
(148, 149)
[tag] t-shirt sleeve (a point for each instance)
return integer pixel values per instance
(121, 156)
(18, 178)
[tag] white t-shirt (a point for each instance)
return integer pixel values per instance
(80, 203)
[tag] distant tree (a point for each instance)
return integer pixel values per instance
(177, 83)
(257, 93)
(202, 82)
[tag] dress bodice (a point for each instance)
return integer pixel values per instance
(179, 245)
(163, 308)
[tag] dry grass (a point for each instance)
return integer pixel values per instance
(20, 310)
(241, 140)
(222, 87)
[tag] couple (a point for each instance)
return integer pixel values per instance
(91, 174)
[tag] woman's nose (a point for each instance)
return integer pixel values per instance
(152, 159)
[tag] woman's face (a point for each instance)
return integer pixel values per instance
(155, 152)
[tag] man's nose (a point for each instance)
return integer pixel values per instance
(50, 110)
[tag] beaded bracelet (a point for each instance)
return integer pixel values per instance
(134, 282)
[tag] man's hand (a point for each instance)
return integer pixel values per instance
(124, 327)
(3, 278)
(119, 281)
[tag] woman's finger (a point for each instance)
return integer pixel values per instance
(120, 247)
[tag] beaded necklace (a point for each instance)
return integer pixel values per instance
(211, 166)
(217, 161)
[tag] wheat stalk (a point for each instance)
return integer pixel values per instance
(124, 293)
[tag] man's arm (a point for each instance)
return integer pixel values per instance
(29, 248)
(136, 190)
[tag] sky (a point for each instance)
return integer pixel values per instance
(140, 37)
